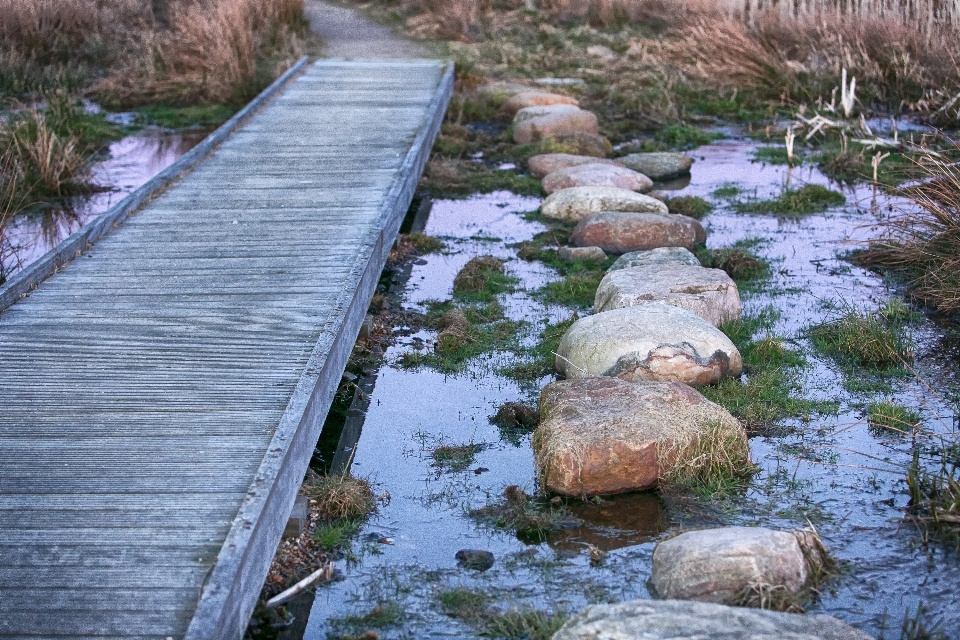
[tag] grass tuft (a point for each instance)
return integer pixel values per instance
(463, 603)
(342, 496)
(808, 199)
(455, 457)
(573, 290)
(692, 206)
(885, 416)
(523, 624)
(482, 278)
(867, 338)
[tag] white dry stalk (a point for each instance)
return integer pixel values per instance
(791, 137)
(848, 94)
(877, 159)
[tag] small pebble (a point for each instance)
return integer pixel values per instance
(474, 559)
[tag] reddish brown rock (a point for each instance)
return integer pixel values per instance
(601, 436)
(536, 123)
(535, 99)
(624, 231)
(546, 163)
(596, 175)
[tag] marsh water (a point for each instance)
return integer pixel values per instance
(128, 164)
(833, 472)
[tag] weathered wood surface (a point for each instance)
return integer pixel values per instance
(161, 396)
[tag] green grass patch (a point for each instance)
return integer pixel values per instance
(384, 614)
(463, 603)
(66, 117)
(777, 154)
(770, 391)
(727, 191)
(738, 260)
(423, 243)
(455, 457)
(539, 360)
(692, 206)
(206, 117)
(808, 199)
(573, 290)
(875, 339)
(886, 416)
(523, 624)
(681, 137)
(335, 535)
(482, 279)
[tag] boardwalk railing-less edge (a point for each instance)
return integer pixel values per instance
(161, 395)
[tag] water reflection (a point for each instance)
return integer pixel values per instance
(615, 523)
(131, 162)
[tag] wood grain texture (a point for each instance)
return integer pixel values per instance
(162, 393)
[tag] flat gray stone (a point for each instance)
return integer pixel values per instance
(709, 293)
(656, 342)
(577, 203)
(684, 620)
(659, 165)
(660, 255)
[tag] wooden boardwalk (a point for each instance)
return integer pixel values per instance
(161, 395)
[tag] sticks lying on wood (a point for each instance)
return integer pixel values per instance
(325, 572)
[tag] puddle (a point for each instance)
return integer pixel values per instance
(846, 483)
(132, 161)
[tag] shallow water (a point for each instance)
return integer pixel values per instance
(130, 163)
(832, 471)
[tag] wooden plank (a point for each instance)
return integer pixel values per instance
(162, 394)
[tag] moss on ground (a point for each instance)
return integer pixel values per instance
(692, 206)
(808, 199)
(202, 116)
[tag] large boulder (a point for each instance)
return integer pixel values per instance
(679, 620)
(709, 293)
(596, 175)
(536, 123)
(660, 255)
(580, 143)
(718, 565)
(600, 436)
(625, 231)
(658, 166)
(546, 163)
(577, 203)
(534, 98)
(654, 341)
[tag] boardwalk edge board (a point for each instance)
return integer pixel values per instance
(77, 243)
(230, 593)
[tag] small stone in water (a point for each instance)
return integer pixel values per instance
(474, 559)
(480, 470)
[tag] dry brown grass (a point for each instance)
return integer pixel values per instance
(924, 244)
(343, 496)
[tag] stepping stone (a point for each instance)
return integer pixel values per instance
(679, 620)
(601, 436)
(660, 255)
(536, 123)
(709, 293)
(578, 143)
(596, 175)
(625, 231)
(546, 163)
(717, 565)
(534, 98)
(581, 254)
(578, 202)
(658, 166)
(653, 341)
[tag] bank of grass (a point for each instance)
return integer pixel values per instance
(770, 391)
(808, 199)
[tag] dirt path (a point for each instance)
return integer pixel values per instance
(346, 33)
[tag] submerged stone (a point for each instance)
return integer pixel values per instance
(658, 165)
(536, 123)
(679, 620)
(579, 202)
(601, 436)
(654, 341)
(717, 565)
(596, 174)
(475, 559)
(546, 163)
(534, 98)
(660, 255)
(581, 254)
(709, 293)
(625, 231)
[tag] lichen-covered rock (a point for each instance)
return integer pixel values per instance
(536, 123)
(625, 231)
(660, 255)
(534, 98)
(596, 175)
(659, 165)
(577, 203)
(600, 436)
(581, 254)
(578, 143)
(546, 163)
(709, 293)
(684, 620)
(654, 341)
(716, 565)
